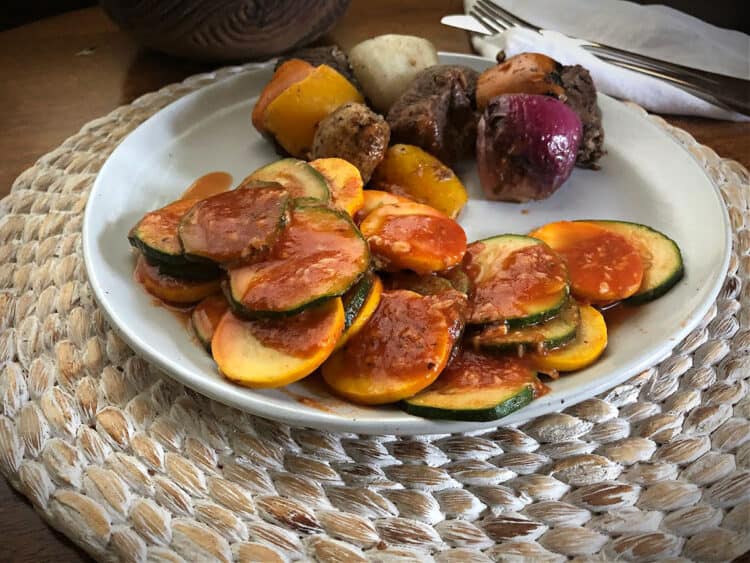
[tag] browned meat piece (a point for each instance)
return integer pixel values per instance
(355, 133)
(581, 97)
(438, 113)
(330, 55)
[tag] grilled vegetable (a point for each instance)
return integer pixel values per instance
(289, 73)
(374, 199)
(526, 73)
(271, 353)
(173, 290)
(387, 64)
(301, 180)
(590, 342)
(320, 255)
(515, 280)
(526, 146)
(237, 226)
(360, 305)
(355, 133)
(660, 255)
(344, 183)
(156, 235)
(549, 335)
(193, 271)
(205, 317)
(476, 387)
(409, 171)
(413, 236)
(603, 265)
(294, 114)
(400, 351)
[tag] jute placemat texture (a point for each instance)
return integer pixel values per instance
(133, 466)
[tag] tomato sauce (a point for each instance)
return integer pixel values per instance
(407, 337)
(299, 335)
(471, 371)
(160, 227)
(503, 289)
(208, 313)
(207, 185)
(421, 243)
(236, 225)
(316, 249)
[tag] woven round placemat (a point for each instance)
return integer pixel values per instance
(133, 466)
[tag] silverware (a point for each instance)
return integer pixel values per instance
(725, 91)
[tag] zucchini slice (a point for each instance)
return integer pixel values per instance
(274, 352)
(355, 298)
(205, 317)
(365, 310)
(193, 271)
(413, 236)
(156, 234)
(549, 335)
(515, 280)
(344, 183)
(170, 289)
(476, 387)
(300, 179)
(662, 259)
(320, 255)
(603, 266)
(590, 342)
(400, 351)
(236, 226)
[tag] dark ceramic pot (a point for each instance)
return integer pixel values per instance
(225, 30)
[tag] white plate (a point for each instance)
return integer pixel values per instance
(646, 177)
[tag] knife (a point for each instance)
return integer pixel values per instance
(467, 23)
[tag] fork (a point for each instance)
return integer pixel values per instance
(725, 91)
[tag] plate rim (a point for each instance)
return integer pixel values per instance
(216, 389)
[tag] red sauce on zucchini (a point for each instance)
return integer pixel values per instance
(405, 336)
(298, 335)
(438, 242)
(165, 222)
(235, 226)
(208, 313)
(603, 266)
(207, 185)
(316, 249)
(471, 371)
(527, 275)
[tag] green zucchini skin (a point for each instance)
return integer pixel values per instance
(522, 398)
(667, 267)
(192, 271)
(156, 234)
(552, 334)
(500, 247)
(304, 183)
(316, 295)
(477, 387)
(355, 298)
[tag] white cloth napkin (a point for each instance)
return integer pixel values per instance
(657, 31)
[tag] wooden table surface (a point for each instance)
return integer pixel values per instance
(64, 71)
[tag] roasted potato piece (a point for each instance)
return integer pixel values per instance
(437, 113)
(291, 118)
(355, 133)
(409, 171)
(386, 65)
